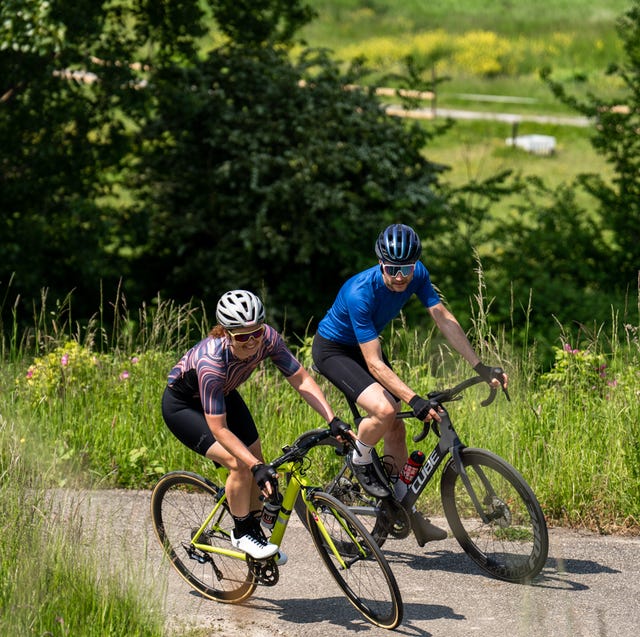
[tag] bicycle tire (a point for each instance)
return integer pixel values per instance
(180, 503)
(367, 581)
(345, 488)
(513, 544)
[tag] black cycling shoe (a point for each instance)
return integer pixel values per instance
(368, 478)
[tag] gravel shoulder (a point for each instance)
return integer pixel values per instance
(590, 585)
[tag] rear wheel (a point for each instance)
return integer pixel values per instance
(359, 567)
(180, 503)
(509, 538)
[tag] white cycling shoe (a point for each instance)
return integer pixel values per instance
(259, 548)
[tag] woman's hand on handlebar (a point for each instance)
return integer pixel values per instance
(266, 478)
(342, 431)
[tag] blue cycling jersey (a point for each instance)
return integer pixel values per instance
(365, 305)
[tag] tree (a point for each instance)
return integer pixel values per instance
(263, 172)
(616, 137)
(545, 268)
(63, 137)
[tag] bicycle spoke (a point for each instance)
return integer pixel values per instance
(181, 502)
(355, 561)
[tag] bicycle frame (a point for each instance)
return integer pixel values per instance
(193, 522)
(493, 513)
(299, 483)
(448, 444)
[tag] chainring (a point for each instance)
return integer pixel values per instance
(393, 519)
(265, 571)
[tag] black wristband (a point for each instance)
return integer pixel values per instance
(484, 371)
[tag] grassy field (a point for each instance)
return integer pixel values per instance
(487, 49)
(490, 46)
(79, 410)
(101, 407)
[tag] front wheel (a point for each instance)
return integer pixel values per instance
(354, 560)
(504, 530)
(181, 502)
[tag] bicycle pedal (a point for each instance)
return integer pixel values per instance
(394, 519)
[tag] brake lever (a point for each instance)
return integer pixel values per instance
(491, 397)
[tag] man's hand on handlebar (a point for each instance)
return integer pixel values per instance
(423, 409)
(495, 376)
(266, 478)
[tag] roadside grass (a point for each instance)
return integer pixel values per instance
(51, 582)
(77, 413)
(104, 427)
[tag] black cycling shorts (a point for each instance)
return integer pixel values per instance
(186, 421)
(344, 366)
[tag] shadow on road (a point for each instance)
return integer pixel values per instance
(554, 574)
(337, 611)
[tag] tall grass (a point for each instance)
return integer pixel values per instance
(50, 583)
(80, 408)
(572, 431)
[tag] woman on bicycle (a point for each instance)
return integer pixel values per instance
(202, 407)
(347, 350)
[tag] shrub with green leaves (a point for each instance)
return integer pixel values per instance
(577, 369)
(69, 366)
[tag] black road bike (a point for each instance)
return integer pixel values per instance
(491, 510)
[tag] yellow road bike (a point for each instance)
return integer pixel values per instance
(192, 520)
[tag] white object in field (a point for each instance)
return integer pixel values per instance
(537, 144)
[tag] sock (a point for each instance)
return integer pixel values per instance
(243, 525)
(365, 451)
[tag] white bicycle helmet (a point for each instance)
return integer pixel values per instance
(239, 308)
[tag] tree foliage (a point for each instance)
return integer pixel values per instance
(616, 136)
(62, 140)
(186, 172)
(178, 147)
(260, 180)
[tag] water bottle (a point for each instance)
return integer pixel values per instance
(408, 473)
(411, 467)
(270, 512)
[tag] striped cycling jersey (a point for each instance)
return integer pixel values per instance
(210, 370)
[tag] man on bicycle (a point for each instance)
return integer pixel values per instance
(347, 350)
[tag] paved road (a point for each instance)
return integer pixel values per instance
(509, 118)
(590, 586)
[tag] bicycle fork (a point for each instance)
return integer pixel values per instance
(448, 443)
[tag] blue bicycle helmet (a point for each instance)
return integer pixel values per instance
(398, 244)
